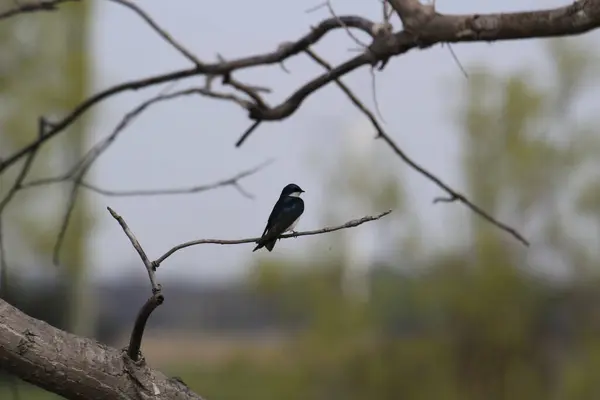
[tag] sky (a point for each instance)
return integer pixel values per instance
(191, 140)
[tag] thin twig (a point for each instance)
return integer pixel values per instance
(329, 7)
(232, 181)
(454, 195)
(18, 184)
(387, 12)
(135, 341)
(250, 91)
(34, 6)
(247, 133)
(350, 224)
(220, 68)
(62, 232)
(374, 92)
(457, 61)
(164, 34)
(78, 172)
(136, 245)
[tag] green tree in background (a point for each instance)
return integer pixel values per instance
(45, 70)
(477, 322)
(525, 149)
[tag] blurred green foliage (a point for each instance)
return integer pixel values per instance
(45, 71)
(483, 321)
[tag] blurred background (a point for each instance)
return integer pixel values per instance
(429, 302)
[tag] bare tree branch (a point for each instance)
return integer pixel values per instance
(75, 367)
(137, 333)
(454, 195)
(232, 181)
(18, 183)
(52, 359)
(135, 342)
(33, 6)
(78, 172)
(157, 298)
(164, 34)
(247, 133)
(327, 4)
(433, 28)
(350, 224)
(220, 68)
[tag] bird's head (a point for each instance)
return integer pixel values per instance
(292, 190)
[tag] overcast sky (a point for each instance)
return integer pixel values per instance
(191, 140)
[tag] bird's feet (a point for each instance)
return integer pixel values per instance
(294, 233)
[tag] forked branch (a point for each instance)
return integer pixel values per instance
(157, 298)
(135, 341)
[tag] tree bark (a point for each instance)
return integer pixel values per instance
(75, 367)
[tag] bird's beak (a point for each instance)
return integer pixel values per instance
(301, 191)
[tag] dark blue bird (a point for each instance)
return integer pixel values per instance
(284, 217)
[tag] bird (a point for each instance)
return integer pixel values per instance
(284, 217)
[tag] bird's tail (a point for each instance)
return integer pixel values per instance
(269, 245)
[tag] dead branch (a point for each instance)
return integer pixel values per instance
(51, 358)
(381, 134)
(164, 34)
(79, 171)
(350, 224)
(423, 27)
(232, 181)
(220, 68)
(135, 341)
(157, 297)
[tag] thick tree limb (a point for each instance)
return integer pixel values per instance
(432, 27)
(79, 368)
(75, 367)
(164, 34)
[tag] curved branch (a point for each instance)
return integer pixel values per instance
(135, 341)
(432, 27)
(232, 181)
(350, 224)
(164, 34)
(136, 245)
(382, 134)
(78, 172)
(220, 68)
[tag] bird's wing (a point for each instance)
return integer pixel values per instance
(285, 212)
(276, 210)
